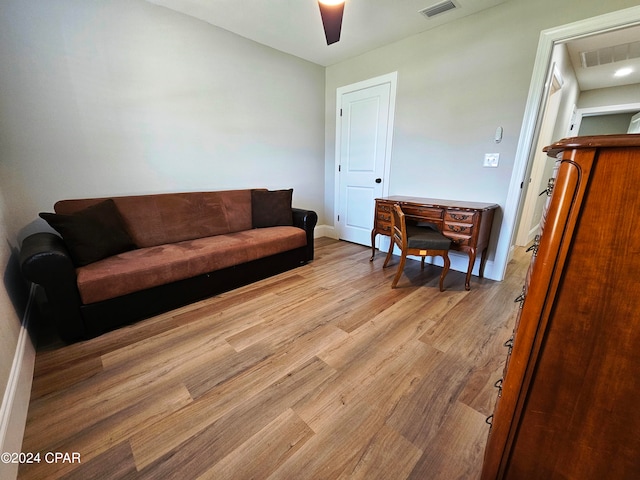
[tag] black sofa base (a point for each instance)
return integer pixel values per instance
(101, 317)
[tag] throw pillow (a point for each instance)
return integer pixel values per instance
(270, 208)
(92, 234)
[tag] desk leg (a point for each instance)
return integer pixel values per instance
(472, 260)
(373, 244)
(483, 260)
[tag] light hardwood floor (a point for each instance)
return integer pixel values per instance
(323, 372)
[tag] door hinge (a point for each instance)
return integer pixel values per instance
(339, 168)
(338, 217)
(340, 112)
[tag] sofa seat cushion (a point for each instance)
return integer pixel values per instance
(144, 268)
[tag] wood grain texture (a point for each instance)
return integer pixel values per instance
(323, 372)
(569, 405)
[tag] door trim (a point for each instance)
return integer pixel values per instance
(392, 79)
(527, 139)
(603, 110)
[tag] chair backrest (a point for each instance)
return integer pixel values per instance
(398, 226)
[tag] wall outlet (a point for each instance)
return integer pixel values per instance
(491, 159)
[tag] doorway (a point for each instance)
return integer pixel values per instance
(533, 113)
(364, 130)
(541, 166)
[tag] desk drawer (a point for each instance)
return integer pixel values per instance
(433, 214)
(459, 225)
(460, 216)
(383, 222)
(383, 217)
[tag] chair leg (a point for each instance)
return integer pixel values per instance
(389, 253)
(445, 270)
(403, 259)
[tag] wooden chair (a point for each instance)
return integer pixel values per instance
(421, 240)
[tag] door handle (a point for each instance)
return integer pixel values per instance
(378, 180)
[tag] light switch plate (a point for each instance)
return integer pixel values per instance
(491, 159)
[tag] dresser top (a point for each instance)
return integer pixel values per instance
(594, 141)
(438, 202)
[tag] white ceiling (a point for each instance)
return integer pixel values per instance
(295, 26)
(601, 76)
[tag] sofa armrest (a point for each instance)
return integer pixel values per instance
(45, 260)
(307, 220)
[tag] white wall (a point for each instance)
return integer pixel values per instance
(609, 96)
(124, 97)
(16, 350)
(456, 84)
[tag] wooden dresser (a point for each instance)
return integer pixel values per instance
(468, 224)
(567, 405)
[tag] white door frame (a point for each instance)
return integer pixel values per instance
(604, 110)
(392, 79)
(548, 39)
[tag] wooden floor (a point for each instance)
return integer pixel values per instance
(323, 372)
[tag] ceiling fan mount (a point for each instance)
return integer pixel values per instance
(331, 13)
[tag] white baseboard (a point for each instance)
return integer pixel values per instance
(15, 402)
(325, 231)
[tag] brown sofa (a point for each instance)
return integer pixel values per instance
(121, 259)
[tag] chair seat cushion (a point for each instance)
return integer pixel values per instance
(426, 238)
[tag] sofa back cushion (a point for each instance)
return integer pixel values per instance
(174, 217)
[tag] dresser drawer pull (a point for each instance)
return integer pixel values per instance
(498, 385)
(509, 343)
(520, 298)
(489, 420)
(534, 247)
(549, 189)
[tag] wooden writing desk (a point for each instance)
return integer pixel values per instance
(467, 224)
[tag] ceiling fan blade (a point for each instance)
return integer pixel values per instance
(331, 20)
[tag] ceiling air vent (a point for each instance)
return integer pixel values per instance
(438, 8)
(613, 54)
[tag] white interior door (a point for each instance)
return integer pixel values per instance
(542, 166)
(364, 147)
